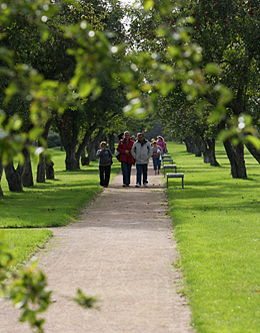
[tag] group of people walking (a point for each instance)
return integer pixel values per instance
(132, 151)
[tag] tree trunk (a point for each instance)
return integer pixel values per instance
(27, 174)
(83, 158)
(49, 170)
(41, 166)
(1, 173)
(236, 158)
(69, 144)
(235, 155)
(93, 145)
(208, 150)
(14, 177)
(83, 144)
(111, 142)
(41, 169)
(71, 162)
(197, 147)
(188, 144)
(253, 151)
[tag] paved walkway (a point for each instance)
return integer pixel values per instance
(121, 250)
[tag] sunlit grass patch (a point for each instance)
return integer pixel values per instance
(217, 227)
(55, 202)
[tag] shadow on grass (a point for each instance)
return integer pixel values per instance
(52, 206)
(63, 186)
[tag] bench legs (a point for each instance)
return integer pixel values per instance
(172, 168)
(182, 181)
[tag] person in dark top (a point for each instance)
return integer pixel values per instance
(105, 162)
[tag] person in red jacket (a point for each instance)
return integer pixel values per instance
(124, 147)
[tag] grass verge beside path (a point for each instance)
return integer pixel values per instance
(25, 243)
(51, 204)
(217, 227)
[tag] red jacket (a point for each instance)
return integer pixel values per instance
(122, 147)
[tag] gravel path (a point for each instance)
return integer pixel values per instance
(121, 250)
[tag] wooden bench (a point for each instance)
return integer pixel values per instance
(167, 160)
(176, 175)
(169, 166)
(166, 156)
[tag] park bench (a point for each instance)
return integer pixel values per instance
(176, 175)
(169, 166)
(167, 160)
(166, 156)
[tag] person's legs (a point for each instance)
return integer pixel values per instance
(154, 164)
(144, 168)
(124, 172)
(138, 173)
(107, 174)
(101, 175)
(159, 165)
(129, 166)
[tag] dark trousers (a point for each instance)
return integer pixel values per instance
(104, 171)
(141, 169)
(156, 163)
(126, 171)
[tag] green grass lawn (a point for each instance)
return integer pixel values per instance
(51, 204)
(217, 227)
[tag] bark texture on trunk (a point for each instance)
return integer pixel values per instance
(49, 170)
(83, 145)
(236, 158)
(69, 144)
(27, 174)
(14, 177)
(208, 149)
(193, 146)
(41, 169)
(83, 158)
(41, 165)
(235, 155)
(197, 150)
(111, 142)
(188, 143)
(93, 145)
(70, 161)
(1, 173)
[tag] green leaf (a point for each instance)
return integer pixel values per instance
(84, 301)
(254, 140)
(213, 68)
(10, 91)
(148, 4)
(224, 135)
(34, 133)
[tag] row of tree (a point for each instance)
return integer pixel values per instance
(83, 123)
(229, 36)
(73, 65)
(159, 67)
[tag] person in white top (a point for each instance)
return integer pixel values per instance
(141, 152)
